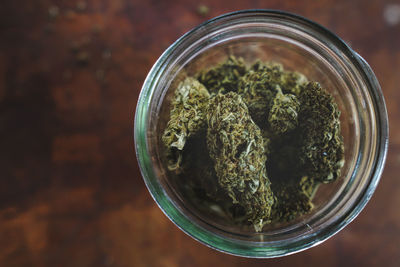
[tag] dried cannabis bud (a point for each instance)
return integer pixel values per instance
(293, 82)
(258, 88)
(293, 198)
(225, 77)
(290, 81)
(236, 146)
(187, 113)
(283, 114)
(187, 117)
(322, 144)
(232, 125)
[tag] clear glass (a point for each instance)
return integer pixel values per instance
(301, 45)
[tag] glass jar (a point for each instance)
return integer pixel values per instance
(299, 45)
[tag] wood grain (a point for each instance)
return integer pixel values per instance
(71, 193)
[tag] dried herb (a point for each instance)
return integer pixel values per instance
(187, 113)
(322, 145)
(236, 146)
(284, 112)
(258, 88)
(293, 82)
(187, 117)
(225, 77)
(232, 125)
(293, 198)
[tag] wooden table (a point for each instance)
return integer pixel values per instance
(71, 193)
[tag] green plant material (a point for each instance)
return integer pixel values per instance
(187, 117)
(308, 186)
(293, 198)
(293, 82)
(293, 191)
(258, 88)
(236, 146)
(187, 113)
(284, 112)
(322, 143)
(224, 77)
(233, 125)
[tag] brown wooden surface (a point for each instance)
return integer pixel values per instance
(71, 193)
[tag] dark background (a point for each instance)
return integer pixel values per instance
(71, 193)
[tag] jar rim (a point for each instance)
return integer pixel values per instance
(225, 244)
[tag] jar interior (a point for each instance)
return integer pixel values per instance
(312, 61)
